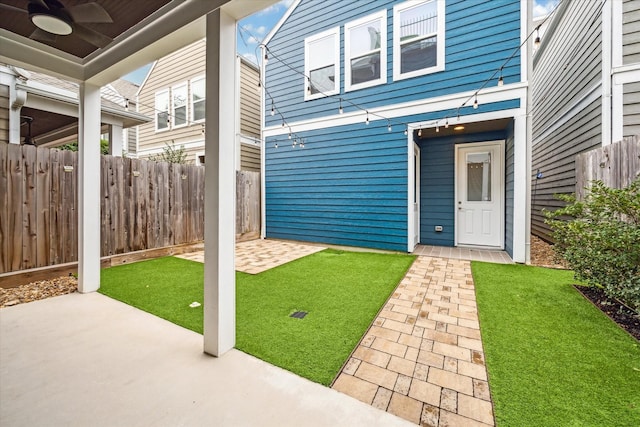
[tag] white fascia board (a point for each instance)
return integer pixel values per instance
(282, 20)
(626, 74)
(32, 55)
(146, 78)
(47, 101)
(442, 103)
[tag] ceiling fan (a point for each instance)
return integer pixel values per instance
(53, 19)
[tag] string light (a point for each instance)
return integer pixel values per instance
(266, 57)
(273, 108)
(203, 128)
(276, 145)
(536, 42)
(446, 123)
(289, 133)
(499, 72)
(126, 103)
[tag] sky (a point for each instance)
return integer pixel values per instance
(254, 28)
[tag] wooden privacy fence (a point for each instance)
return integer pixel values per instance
(144, 205)
(617, 165)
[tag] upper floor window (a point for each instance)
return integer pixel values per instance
(321, 64)
(198, 95)
(418, 38)
(179, 105)
(365, 46)
(162, 110)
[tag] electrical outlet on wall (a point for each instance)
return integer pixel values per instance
(438, 228)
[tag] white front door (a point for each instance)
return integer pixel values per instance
(416, 195)
(480, 194)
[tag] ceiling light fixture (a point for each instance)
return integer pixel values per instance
(51, 20)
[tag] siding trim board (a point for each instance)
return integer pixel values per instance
(444, 105)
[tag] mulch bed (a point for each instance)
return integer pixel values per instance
(622, 315)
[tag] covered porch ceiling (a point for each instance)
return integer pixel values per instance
(141, 32)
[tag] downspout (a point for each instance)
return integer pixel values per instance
(529, 137)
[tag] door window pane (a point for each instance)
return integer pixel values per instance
(479, 177)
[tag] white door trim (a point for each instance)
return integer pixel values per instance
(415, 238)
(501, 196)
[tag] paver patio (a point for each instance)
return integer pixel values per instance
(422, 358)
(256, 256)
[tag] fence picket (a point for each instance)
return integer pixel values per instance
(144, 205)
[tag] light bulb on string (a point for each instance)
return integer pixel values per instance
(276, 145)
(420, 132)
(126, 103)
(266, 58)
(388, 126)
(475, 103)
(289, 133)
(367, 120)
(273, 109)
(437, 127)
(500, 80)
(340, 110)
(446, 123)
(536, 42)
(406, 132)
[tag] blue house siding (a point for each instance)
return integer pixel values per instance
(509, 181)
(347, 186)
(437, 185)
(480, 36)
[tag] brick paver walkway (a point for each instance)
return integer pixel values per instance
(259, 255)
(422, 359)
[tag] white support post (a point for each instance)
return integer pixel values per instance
(220, 178)
(606, 72)
(115, 140)
(521, 178)
(89, 188)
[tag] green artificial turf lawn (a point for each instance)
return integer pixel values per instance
(553, 358)
(341, 291)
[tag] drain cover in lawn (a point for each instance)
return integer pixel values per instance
(298, 314)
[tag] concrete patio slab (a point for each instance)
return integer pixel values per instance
(88, 360)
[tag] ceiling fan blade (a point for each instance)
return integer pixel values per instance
(89, 13)
(91, 36)
(12, 8)
(42, 3)
(43, 36)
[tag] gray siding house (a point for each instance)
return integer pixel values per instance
(585, 93)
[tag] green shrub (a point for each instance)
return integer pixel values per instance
(599, 238)
(171, 154)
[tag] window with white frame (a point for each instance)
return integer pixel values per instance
(322, 64)
(198, 95)
(179, 104)
(418, 38)
(365, 46)
(162, 110)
